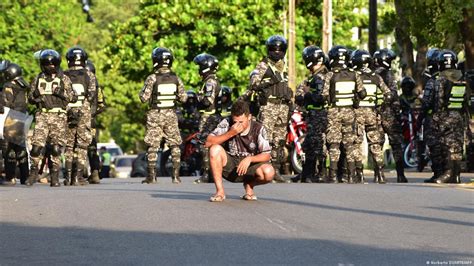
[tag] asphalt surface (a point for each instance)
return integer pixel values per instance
(122, 222)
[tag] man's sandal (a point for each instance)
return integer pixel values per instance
(217, 198)
(249, 197)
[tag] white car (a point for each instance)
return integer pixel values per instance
(121, 166)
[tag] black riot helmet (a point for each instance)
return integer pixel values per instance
(76, 56)
(3, 66)
(276, 47)
(313, 55)
(226, 94)
(384, 57)
(407, 84)
(432, 60)
(207, 63)
(161, 57)
(12, 72)
(191, 99)
(90, 66)
(50, 61)
(361, 59)
(447, 59)
(339, 56)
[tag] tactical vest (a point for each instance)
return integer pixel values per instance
(80, 84)
(316, 85)
(275, 77)
(456, 96)
(46, 89)
(374, 95)
(342, 88)
(223, 108)
(211, 109)
(165, 90)
(19, 100)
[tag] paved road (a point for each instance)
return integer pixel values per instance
(122, 222)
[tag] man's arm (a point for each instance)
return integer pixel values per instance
(261, 157)
(213, 139)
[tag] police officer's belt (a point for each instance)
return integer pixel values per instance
(53, 110)
(276, 100)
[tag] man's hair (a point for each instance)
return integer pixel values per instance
(239, 108)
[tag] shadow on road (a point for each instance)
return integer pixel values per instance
(28, 245)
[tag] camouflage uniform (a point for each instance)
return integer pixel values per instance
(341, 116)
(14, 93)
(51, 95)
(207, 98)
(390, 116)
(430, 134)
(78, 132)
(92, 154)
(314, 144)
(270, 80)
(161, 119)
(452, 101)
(369, 124)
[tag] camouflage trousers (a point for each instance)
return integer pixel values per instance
(314, 144)
(368, 125)
(432, 137)
(451, 129)
(393, 128)
(275, 117)
(162, 124)
(78, 138)
(341, 129)
(207, 124)
(49, 127)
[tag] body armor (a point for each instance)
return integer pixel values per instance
(164, 91)
(49, 90)
(80, 84)
(342, 89)
(314, 99)
(456, 96)
(205, 106)
(374, 93)
(274, 85)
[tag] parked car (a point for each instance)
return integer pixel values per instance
(121, 166)
(139, 166)
(111, 147)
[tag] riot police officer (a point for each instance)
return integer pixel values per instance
(389, 112)
(309, 95)
(366, 115)
(78, 132)
(51, 92)
(224, 102)
(92, 154)
(207, 98)
(270, 81)
(188, 115)
(452, 100)
(342, 89)
(162, 89)
(14, 91)
(429, 110)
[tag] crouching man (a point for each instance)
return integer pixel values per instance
(240, 152)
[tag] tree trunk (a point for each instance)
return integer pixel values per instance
(402, 35)
(467, 32)
(420, 64)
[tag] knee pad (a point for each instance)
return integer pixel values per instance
(151, 154)
(175, 152)
(55, 150)
(36, 151)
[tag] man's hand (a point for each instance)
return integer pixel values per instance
(236, 128)
(243, 166)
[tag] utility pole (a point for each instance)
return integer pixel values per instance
(291, 46)
(327, 25)
(372, 26)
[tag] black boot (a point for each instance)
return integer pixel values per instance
(94, 177)
(204, 178)
(277, 178)
(33, 175)
(151, 178)
(379, 175)
(332, 178)
(342, 172)
(24, 172)
(437, 171)
(309, 167)
(400, 172)
(10, 172)
(447, 175)
(55, 178)
(456, 172)
(351, 172)
(359, 172)
(175, 175)
(321, 176)
(296, 178)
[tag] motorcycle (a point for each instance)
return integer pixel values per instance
(191, 158)
(410, 153)
(294, 139)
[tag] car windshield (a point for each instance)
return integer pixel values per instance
(123, 162)
(114, 151)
